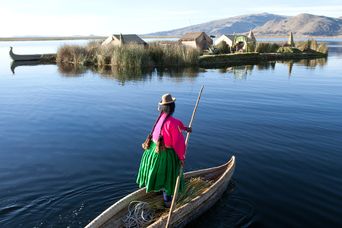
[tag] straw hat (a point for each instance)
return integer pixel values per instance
(167, 99)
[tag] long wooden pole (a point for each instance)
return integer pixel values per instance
(174, 200)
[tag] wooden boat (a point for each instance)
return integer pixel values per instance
(36, 57)
(219, 178)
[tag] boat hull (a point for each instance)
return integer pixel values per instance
(112, 217)
(37, 57)
(188, 212)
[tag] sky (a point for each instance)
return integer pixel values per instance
(105, 17)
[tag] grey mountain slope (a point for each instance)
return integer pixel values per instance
(266, 24)
(303, 24)
(230, 25)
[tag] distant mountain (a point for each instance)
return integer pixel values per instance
(266, 24)
(239, 24)
(303, 24)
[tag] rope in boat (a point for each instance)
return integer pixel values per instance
(142, 213)
(241, 211)
(139, 214)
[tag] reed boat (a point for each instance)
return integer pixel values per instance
(35, 57)
(217, 178)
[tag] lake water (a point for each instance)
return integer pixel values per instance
(70, 140)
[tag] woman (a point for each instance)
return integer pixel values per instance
(164, 152)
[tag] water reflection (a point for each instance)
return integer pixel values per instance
(180, 73)
(243, 71)
(266, 65)
(129, 74)
(312, 63)
(122, 75)
(16, 64)
(240, 72)
(71, 70)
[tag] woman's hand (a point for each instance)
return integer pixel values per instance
(188, 129)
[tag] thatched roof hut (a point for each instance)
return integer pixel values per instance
(121, 39)
(198, 40)
(245, 43)
(251, 36)
(239, 41)
(291, 41)
(228, 38)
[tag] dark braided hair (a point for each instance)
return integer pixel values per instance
(148, 140)
(167, 108)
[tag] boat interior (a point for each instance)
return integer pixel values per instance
(196, 183)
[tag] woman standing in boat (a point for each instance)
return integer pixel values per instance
(164, 152)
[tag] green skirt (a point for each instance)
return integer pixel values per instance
(159, 171)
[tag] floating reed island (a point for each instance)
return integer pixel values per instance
(193, 49)
(134, 56)
(221, 55)
(129, 56)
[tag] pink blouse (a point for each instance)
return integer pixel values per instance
(172, 134)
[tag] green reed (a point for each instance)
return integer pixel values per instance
(128, 56)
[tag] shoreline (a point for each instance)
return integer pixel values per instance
(52, 38)
(205, 62)
(217, 61)
(223, 60)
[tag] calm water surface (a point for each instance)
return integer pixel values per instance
(70, 139)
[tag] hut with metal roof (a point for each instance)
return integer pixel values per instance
(122, 39)
(198, 40)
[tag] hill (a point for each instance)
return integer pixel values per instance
(238, 24)
(303, 24)
(266, 24)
